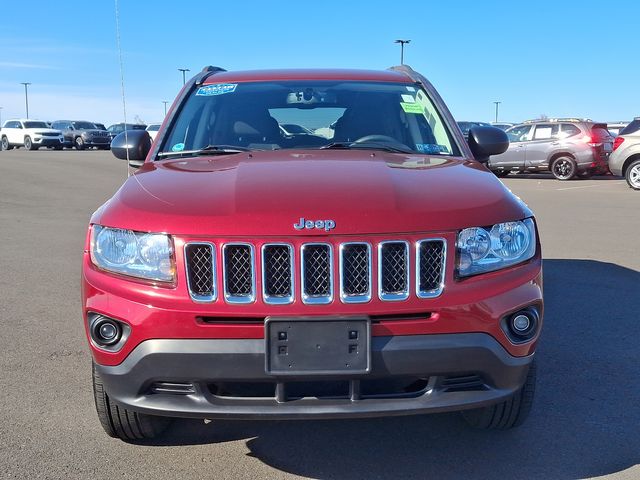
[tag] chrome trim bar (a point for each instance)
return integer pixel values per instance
(214, 291)
(316, 299)
(393, 296)
(438, 291)
(347, 298)
(239, 299)
(271, 299)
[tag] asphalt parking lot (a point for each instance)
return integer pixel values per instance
(584, 423)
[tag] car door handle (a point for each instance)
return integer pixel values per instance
(555, 143)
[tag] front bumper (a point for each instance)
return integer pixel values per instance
(457, 371)
(48, 141)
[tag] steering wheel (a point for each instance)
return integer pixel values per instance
(377, 139)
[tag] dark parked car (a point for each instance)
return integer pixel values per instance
(81, 134)
(118, 128)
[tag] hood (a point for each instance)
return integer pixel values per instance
(46, 130)
(266, 193)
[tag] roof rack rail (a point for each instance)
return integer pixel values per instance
(551, 120)
(206, 72)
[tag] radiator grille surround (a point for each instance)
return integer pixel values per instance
(277, 273)
(238, 264)
(316, 273)
(393, 270)
(355, 272)
(397, 271)
(200, 261)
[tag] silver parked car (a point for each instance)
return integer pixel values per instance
(567, 147)
(625, 159)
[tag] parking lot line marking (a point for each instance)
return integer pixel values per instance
(583, 186)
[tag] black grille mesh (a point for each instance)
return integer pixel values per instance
(238, 270)
(200, 269)
(317, 270)
(355, 269)
(394, 267)
(277, 271)
(431, 265)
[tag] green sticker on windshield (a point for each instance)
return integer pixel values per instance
(411, 107)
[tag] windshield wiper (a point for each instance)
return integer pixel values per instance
(366, 145)
(208, 150)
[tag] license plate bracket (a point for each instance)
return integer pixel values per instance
(317, 346)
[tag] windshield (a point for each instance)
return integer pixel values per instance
(35, 125)
(83, 126)
(310, 114)
(154, 127)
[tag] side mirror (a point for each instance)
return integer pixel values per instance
(487, 141)
(136, 142)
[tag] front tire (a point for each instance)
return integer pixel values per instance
(564, 168)
(28, 144)
(5, 144)
(79, 143)
(508, 414)
(120, 422)
(632, 175)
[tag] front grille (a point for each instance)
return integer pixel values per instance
(430, 270)
(317, 273)
(355, 272)
(277, 273)
(200, 262)
(393, 267)
(393, 273)
(239, 280)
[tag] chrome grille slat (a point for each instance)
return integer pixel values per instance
(277, 273)
(316, 260)
(355, 272)
(393, 270)
(431, 257)
(238, 264)
(200, 261)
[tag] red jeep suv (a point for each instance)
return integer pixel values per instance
(365, 264)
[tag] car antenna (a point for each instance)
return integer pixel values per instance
(124, 102)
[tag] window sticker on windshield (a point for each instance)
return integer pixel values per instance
(218, 89)
(178, 147)
(408, 98)
(411, 89)
(411, 107)
(432, 148)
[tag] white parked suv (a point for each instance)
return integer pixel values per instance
(30, 134)
(625, 159)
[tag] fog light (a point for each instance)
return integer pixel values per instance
(521, 326)
(106, 332)
(521, 323)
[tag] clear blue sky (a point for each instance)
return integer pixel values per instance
(553, 58)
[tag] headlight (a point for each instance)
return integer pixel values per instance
(483, 250)
(142, 255)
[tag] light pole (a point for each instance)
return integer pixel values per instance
(497, 103)
(402, 42)
(26, 96)
(165, 107)
(184, 71)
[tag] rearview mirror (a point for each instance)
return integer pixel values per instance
(134, 143)
(487, 141)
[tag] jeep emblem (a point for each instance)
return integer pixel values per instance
(327, 225)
